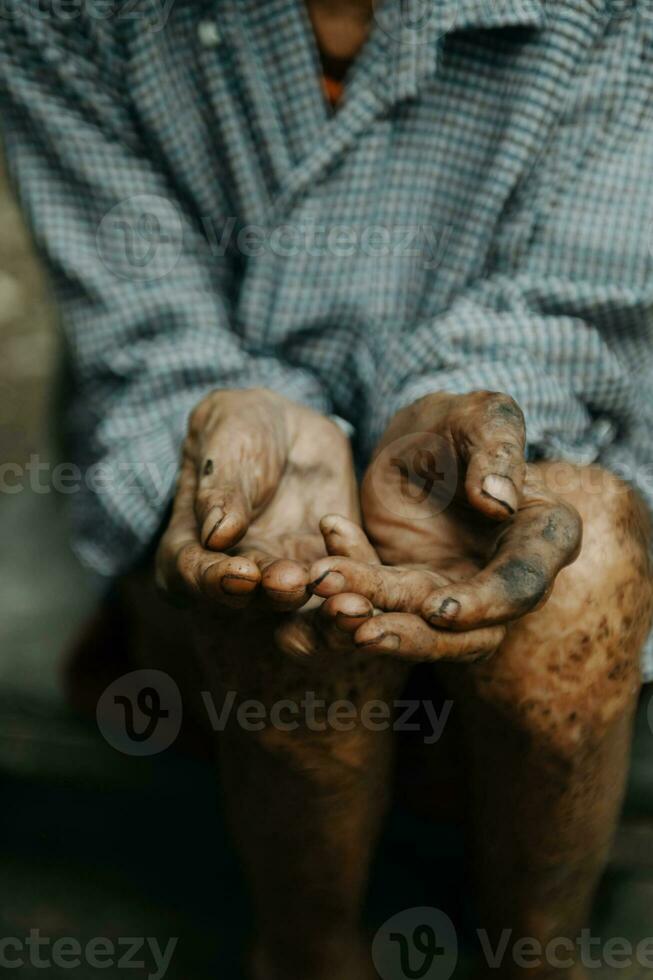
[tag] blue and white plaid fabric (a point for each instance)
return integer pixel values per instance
(479, 213)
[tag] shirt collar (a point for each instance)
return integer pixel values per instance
(415, 29)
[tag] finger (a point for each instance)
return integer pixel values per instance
(347, 611)
(237, 474)
(491, 436)
(224, 513)
(284, 582)
(297, 637)
(310, 633)
(407, 636)
(396, 589)
(232, 580)
(180, 560)
(344, 537)
(538, 543)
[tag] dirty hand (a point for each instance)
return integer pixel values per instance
(257, 474)
(474, 537)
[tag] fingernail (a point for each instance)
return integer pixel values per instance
(344, 620)
(501, 489)
(449, 609)
(336, 581)
(213, 530)
(385, 641)
(236, 584)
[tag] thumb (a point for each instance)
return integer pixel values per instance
(239, 469)
(343, 538)
(493, 439)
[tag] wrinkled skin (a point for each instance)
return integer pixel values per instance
(545, 689)
(476, 553)
(258, 473)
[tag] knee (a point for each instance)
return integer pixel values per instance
(568, 674)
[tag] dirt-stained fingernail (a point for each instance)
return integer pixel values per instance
(501, 489)
(237, 584)
(449, 609)
(332, 581)
(213, 528)
(346, 621)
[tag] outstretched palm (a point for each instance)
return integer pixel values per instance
(473, 537)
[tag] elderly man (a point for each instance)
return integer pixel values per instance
(422, 230)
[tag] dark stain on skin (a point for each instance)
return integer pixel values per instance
(525, 581)
(508, 410)
(208, 468)
(581, 653)
(561, 529)
(604, 629)
(551, 529)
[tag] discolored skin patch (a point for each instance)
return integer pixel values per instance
(525, 582)
(548, 727)
(545, 735)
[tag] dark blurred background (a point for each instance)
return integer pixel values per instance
(97, 844)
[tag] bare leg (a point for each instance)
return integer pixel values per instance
(548, 729)
(305, 804)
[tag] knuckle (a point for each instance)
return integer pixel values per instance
(504, 408)
(563, 527)
(508, 449)
(205, 501)
(199, 415)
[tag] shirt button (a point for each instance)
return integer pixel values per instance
(209, 34)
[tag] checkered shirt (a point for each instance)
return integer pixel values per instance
(477, 214)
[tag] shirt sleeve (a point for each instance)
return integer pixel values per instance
(574, 351)
(144, 305)
(567, 378)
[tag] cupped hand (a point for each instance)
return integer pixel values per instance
(258, 472)
(473, 535)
